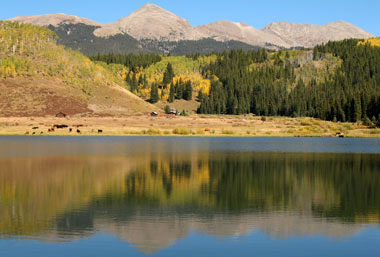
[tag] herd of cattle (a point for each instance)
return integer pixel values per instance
(60, 126)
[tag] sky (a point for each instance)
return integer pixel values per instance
(362, 13)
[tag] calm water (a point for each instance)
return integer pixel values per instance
(138, 196)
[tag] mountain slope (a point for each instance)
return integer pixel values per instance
(54, 19)
(38, 78)
(308, 35)
(81, 37)
(152, 22)
(227, 30)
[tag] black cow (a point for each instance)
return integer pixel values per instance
(61, 126)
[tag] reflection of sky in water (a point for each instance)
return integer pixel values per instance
(109, 196)
(254, 244)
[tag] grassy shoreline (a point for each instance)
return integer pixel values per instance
(194, 125)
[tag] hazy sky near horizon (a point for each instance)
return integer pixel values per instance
(362, 13)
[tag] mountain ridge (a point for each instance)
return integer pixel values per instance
(155, 23)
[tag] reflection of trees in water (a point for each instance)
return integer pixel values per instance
(331, 185)
(80, 194)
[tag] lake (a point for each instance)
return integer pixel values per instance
(173, 196)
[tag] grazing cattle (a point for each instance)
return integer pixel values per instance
(60, 126)
(41, 133)
(78, 131)
(33, 133)
(70, 130)
(34, 128)
(27, 133)
(341, 136)
(100, 131)
(207, 130)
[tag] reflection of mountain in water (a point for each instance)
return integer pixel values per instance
(153, 199)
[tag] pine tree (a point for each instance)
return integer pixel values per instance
(134, 83)
(154, 97)
(172, 93)
(188, 92)
(168, 75)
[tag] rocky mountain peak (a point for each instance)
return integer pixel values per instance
(152, 22)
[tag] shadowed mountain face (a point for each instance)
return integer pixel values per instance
(157, 25)
(152, 194)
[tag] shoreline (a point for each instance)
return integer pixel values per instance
(183, 126)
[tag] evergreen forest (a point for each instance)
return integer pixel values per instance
(337, 81)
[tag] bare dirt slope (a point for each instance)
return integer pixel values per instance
(38, 97)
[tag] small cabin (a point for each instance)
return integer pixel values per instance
(61, 115)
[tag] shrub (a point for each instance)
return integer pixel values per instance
(200, 131)
(151, 132)
(184, 113)
(367, 121)
(167, 109)
(181, 131)
(305, 123)
(227, 132)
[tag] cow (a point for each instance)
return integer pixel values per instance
(70, 130)
(60, 126)
(100, 131)
(34, 128)
(78, 131)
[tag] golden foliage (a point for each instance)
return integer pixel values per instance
(27, 50)
(375, 42)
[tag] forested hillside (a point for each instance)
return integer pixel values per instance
(39, 77)
(347, 92)
(338, 81)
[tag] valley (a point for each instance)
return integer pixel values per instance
(245, 91)
(190, 126)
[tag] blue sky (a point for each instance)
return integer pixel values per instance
(363, 13)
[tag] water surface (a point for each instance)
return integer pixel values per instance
(137, 196)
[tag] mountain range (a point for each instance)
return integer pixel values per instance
(154, 29)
